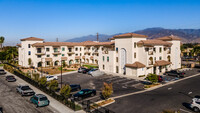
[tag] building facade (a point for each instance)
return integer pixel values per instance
(127, 54)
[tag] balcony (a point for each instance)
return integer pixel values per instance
(70, 52)
(150, 52)
(40, 53)
(56, 52)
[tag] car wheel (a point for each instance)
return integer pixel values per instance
(196, 109)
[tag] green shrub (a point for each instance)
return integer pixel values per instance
(53, 85)
(65, 91)
(90, 66)
(153, 78)
(107, 90)
(43, 81)
(141, 75)
(36, 77)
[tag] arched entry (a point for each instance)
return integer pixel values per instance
(56, 63)
(70, 62)
(39, 64)
(123, 61)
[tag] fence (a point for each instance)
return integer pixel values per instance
(70, 103)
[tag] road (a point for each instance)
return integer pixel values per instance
(12, 102)
(174, 97)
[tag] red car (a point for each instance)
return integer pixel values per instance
(160, 78)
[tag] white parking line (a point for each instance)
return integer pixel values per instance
(169, 88)
(185, 111)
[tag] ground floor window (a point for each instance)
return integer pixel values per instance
(48, 63)
(160, 69)
(117, 69)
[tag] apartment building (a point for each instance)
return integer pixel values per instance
(127, 54)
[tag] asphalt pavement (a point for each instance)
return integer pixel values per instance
(176, 96)
(13, 102)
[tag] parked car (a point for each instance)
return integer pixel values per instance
(84, 93)
(10, 78)
(195, 104)
(86, 71)
(39, 100)
(1, 110)
(75, 87)
(80, 70)
(50, 77)
(160, 78)
(25, 90)
(2, 72)
(92, 70)
(175, 73)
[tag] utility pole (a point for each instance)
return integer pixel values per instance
(97, 36)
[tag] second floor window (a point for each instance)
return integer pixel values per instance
(63, 49)
(160, 49)
(135, 44)
(48, 55)
(39, 50)
(47, 49)
(103, 58)
(107, 59)
(29, 45)
(39, 56)
(116, 59)
(76, 49)
(135, 55)
(160, 58)
(55, 49)
(29, 52)
(70, 49)
(63, 54)
(116, 49)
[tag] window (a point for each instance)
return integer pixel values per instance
(63, 49)
(103, 67)
(80, 48)
(76, 54)
(55, 49)
(154, 49)
(116, 59)
(160, 58)
(160, 49)
(135, 45)
(39, 56)
(55, 55)
(116, 49)
(103, 58)
(29, 52)
(89, 54)
(107, 59)
(63, 54)
(70, 49)
(39, 50)
(155, 58)
(47, 49)
(135, 55)
(76, 49)
(80, 54)
(160, 69)
(29, 45)
(48, 55)
(48, 63)
(117, 69)
(70, 55)
(146, 49)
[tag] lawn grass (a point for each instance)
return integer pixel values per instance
(55, 70)
(90, 66)
(1, 65)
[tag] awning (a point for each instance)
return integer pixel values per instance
(161, 63)
(135, 65)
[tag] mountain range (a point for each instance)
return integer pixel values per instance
(187, 35)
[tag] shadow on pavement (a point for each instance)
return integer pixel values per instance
(187, 105)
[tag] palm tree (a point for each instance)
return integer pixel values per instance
(1, 41)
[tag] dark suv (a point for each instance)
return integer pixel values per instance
(2, 72)
(175, 73)
(84, 93)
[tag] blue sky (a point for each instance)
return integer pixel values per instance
(65, 19)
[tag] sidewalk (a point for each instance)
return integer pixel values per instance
(59, 107)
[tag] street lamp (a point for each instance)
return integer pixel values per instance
(61, 72)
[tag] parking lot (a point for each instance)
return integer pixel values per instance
(12, 102)
(121, 85)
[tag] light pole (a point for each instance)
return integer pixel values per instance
(61, 73)
(41, 67)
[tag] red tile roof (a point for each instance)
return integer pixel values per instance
(86, 43)
(154, 42)
(161, 63)
(19, 45)
(127, 35)
(32, 39)
(135, 65)
(169, 38)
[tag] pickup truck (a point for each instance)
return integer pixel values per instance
(25, 90)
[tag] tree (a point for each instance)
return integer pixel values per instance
(36, 76)
(11, 53)
(107, 90)
(63, 64)
(29, 61)
(153, 78)
(1, 41)
(43, 81)
(65, 91)
(53, 85)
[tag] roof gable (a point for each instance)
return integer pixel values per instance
(32, 39)
(130, 35)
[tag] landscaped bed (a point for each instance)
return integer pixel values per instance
(150, 86)
(53, 71)
(102, 103)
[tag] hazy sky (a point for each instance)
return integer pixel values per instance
(67, 19)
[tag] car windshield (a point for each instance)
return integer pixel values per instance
(43, 98)
(1, 70)
(80, 92)
(26, 88)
